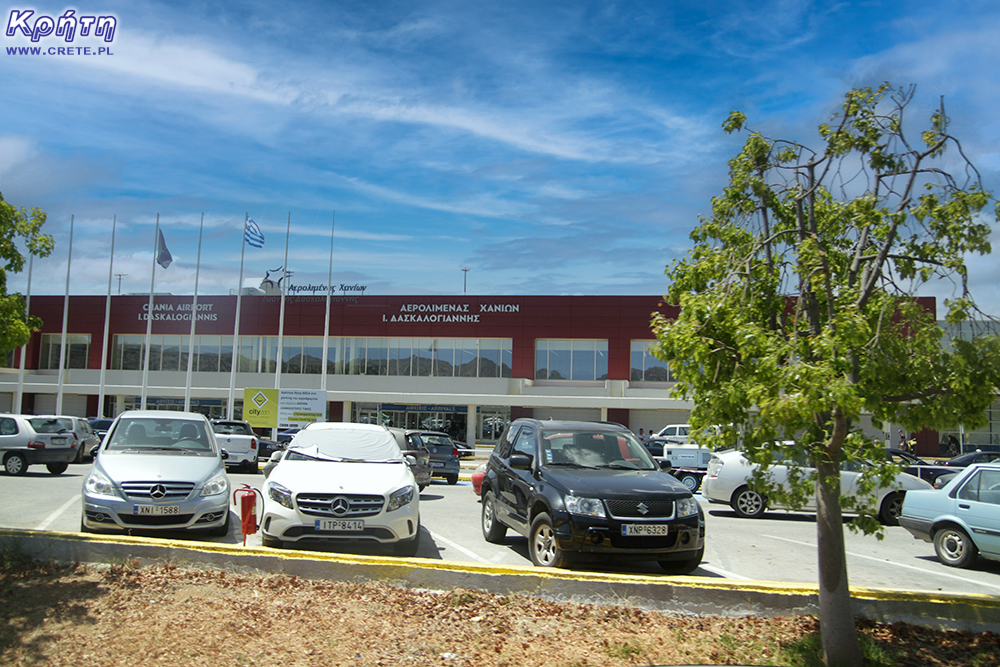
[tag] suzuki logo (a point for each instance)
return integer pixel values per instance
(643, 509)
(340, 506)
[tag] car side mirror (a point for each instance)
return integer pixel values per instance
(94, 450)
(276, 456)
(225, 454)
(666, 465)
(520, 461)
(410, 461)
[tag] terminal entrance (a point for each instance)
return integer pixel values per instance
(450, 419)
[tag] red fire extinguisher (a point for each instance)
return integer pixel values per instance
(248, 510)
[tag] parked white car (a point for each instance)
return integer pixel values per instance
(729, 473)
(81, 432)
(340, 482)
(157, 470)
(26, 440)
(962, 519)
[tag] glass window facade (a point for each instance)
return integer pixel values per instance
(77, 351)
(561, 359)
(644, 366)
(423, 357)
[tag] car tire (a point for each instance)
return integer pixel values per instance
(271, 542)
(747, 503)
(56, 468)
(421, 487)
(408, 547)
(79, 453)
(452, 479)
(15, 464)
(892, 508)
(543, 545)
(692, 482)
(223, 530)
(493, 530)
(683, 566)
(954, 548)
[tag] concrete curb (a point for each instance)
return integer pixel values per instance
(685, 595)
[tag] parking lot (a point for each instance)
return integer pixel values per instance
(780, 547)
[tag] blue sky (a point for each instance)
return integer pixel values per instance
(550, 148)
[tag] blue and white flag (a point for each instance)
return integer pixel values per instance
(163, 256)
(252, 234)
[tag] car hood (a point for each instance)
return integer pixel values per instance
(611, 483)
(341, 477)
(149, 467)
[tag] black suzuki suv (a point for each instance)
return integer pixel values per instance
(588, 488)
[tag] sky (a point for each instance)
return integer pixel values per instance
(565, 147)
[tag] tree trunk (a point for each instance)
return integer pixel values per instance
(838, 632)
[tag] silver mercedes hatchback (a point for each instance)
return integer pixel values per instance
(157, 470)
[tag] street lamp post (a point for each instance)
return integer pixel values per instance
(465, 280)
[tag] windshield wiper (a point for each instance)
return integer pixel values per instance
(619, 466)
(568, 464)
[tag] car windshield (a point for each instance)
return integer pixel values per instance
(430, 439)
(369, 445)
(595, 449)
(147, 434)
(233, 428)
(49, 425)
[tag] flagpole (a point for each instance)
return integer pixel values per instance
(281, 313)
(65, 322)
(149, 317)
(326, 321)
(194, 318)
(236, 329)
(17, 407)
(107, 322)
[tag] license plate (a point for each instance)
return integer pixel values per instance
(348, 525)
(59, 441)
(639, 529)
(437, 464)
(158, 510)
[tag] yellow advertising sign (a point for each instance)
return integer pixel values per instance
(260, 407)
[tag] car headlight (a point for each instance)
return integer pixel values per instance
(585, 506)
(215, 486)
(686, 507)
(97, 484)
(279, 494)
(403, 496)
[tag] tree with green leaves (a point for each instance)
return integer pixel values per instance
(798, 311)
(24, 225)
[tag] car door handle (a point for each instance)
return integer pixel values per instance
(963, 506)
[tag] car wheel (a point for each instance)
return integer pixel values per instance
(409, 546)
(56, 468)
(892, 508)
(954, 548)
(748, 503)
(683, 566)
(452, 479)
(79, 454)
(272, 542)
(493, 530)
(543, 545)
(15, 464)
(692, 482)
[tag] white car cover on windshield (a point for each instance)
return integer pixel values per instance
(335, 440)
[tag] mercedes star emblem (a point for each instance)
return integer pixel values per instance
(340, 506)
(157, 491)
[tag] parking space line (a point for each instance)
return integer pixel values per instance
(44, 525)
(459, 547)
(884, 561)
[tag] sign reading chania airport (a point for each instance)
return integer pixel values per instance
(447, 312)
(283, 408)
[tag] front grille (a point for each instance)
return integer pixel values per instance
(309, 532)
(641, 509)
(644, 542)
(155, 520)
(172, 491)
(320, 504)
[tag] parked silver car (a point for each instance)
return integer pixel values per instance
(81, 431)
(729, 474)
(157, 470)
(27, 440)
(962, 519)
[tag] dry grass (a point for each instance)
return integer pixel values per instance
(163, 615)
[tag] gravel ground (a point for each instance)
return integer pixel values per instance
(163, 615)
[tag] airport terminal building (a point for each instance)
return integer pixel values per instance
(468, 364)
(464, 364)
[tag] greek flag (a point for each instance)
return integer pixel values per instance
(163, 256)
(252, 234)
